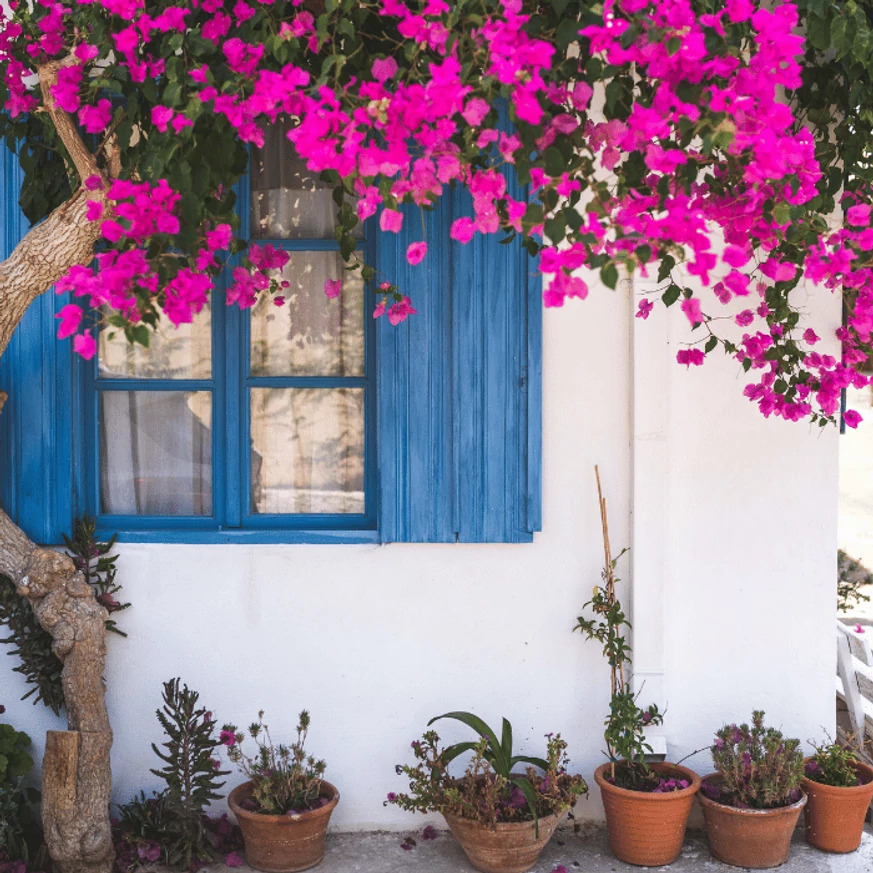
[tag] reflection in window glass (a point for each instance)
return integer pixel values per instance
(156, 452)
(311, 335)
(307, 450)
(288, 202)
(183, 352)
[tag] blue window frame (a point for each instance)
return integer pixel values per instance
(452, 408)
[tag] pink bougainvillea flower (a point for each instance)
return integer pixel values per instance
(691, 308)
(859, 629)
(416, 252)
(94, 210)
(71, 318)
(859, 215)
(852, 418)
(462, 229)
(391, 220)
(384, 68)
(94, 183)
(161, 117)
(429, 833)
(227, 738)
(233, 859)
(690, 357)
(810, 336)
(112, 230)
(84, 345)
(399, 312)
(95, 119)
(333, 288)
(644, 309)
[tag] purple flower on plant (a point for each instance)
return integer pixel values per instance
(517, 799)
(713, 792)
(233, 859)
(227, 738)
(392, 797)
(429, 833)
(811, 767)
(150, 852)
(647, 717)
(795, 795)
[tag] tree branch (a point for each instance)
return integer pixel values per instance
(83, 160)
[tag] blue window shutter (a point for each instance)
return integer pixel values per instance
(415, 388)
(36, 372)
(460, 417)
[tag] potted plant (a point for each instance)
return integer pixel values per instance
(647, 805)
(502, 818)
(839, 789)
(753, 801)
(284, 808)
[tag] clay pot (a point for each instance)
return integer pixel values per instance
(647, 829)
(835, 815)
(283, 843)
(755, 838)
(509, 847)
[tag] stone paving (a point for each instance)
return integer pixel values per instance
(587, 853)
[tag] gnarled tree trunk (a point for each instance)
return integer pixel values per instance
(76, 770)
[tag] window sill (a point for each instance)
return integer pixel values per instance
(245, 537)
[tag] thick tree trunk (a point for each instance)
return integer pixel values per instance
(76, 770)
(76, 775)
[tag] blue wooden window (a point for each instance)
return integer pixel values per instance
(451, 406)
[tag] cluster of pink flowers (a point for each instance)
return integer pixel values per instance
(395, 136)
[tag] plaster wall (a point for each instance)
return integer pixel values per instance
(376, 640)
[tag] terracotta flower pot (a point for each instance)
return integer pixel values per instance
(835, 815)
(755, 838)
(510, 847)
(283, 843)
(645, 828)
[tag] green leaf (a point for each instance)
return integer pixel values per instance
(451, 752)
(530, 796)
(609, 276)
(500, 764)
(527, 759)
(671, 295)
(140, 334)
(667, 264)
(506, 741)
(711, 343)
(554, 162)
(782, 213)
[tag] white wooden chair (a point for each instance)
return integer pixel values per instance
(854, 682)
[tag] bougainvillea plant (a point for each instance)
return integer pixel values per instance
(657, 137)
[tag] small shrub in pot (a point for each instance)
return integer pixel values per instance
(839, 790)
(753, 801)
(504, 808)
(285, 806)
(647, 805)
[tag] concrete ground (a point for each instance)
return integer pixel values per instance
(587, 853)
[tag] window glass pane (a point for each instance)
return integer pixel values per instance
(307, 450)
(311, 335)
(288, 202)
(156, 452)
(183, 352)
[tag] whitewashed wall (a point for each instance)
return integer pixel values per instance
(734, 553)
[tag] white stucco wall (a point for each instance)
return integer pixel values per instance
(376, 640)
